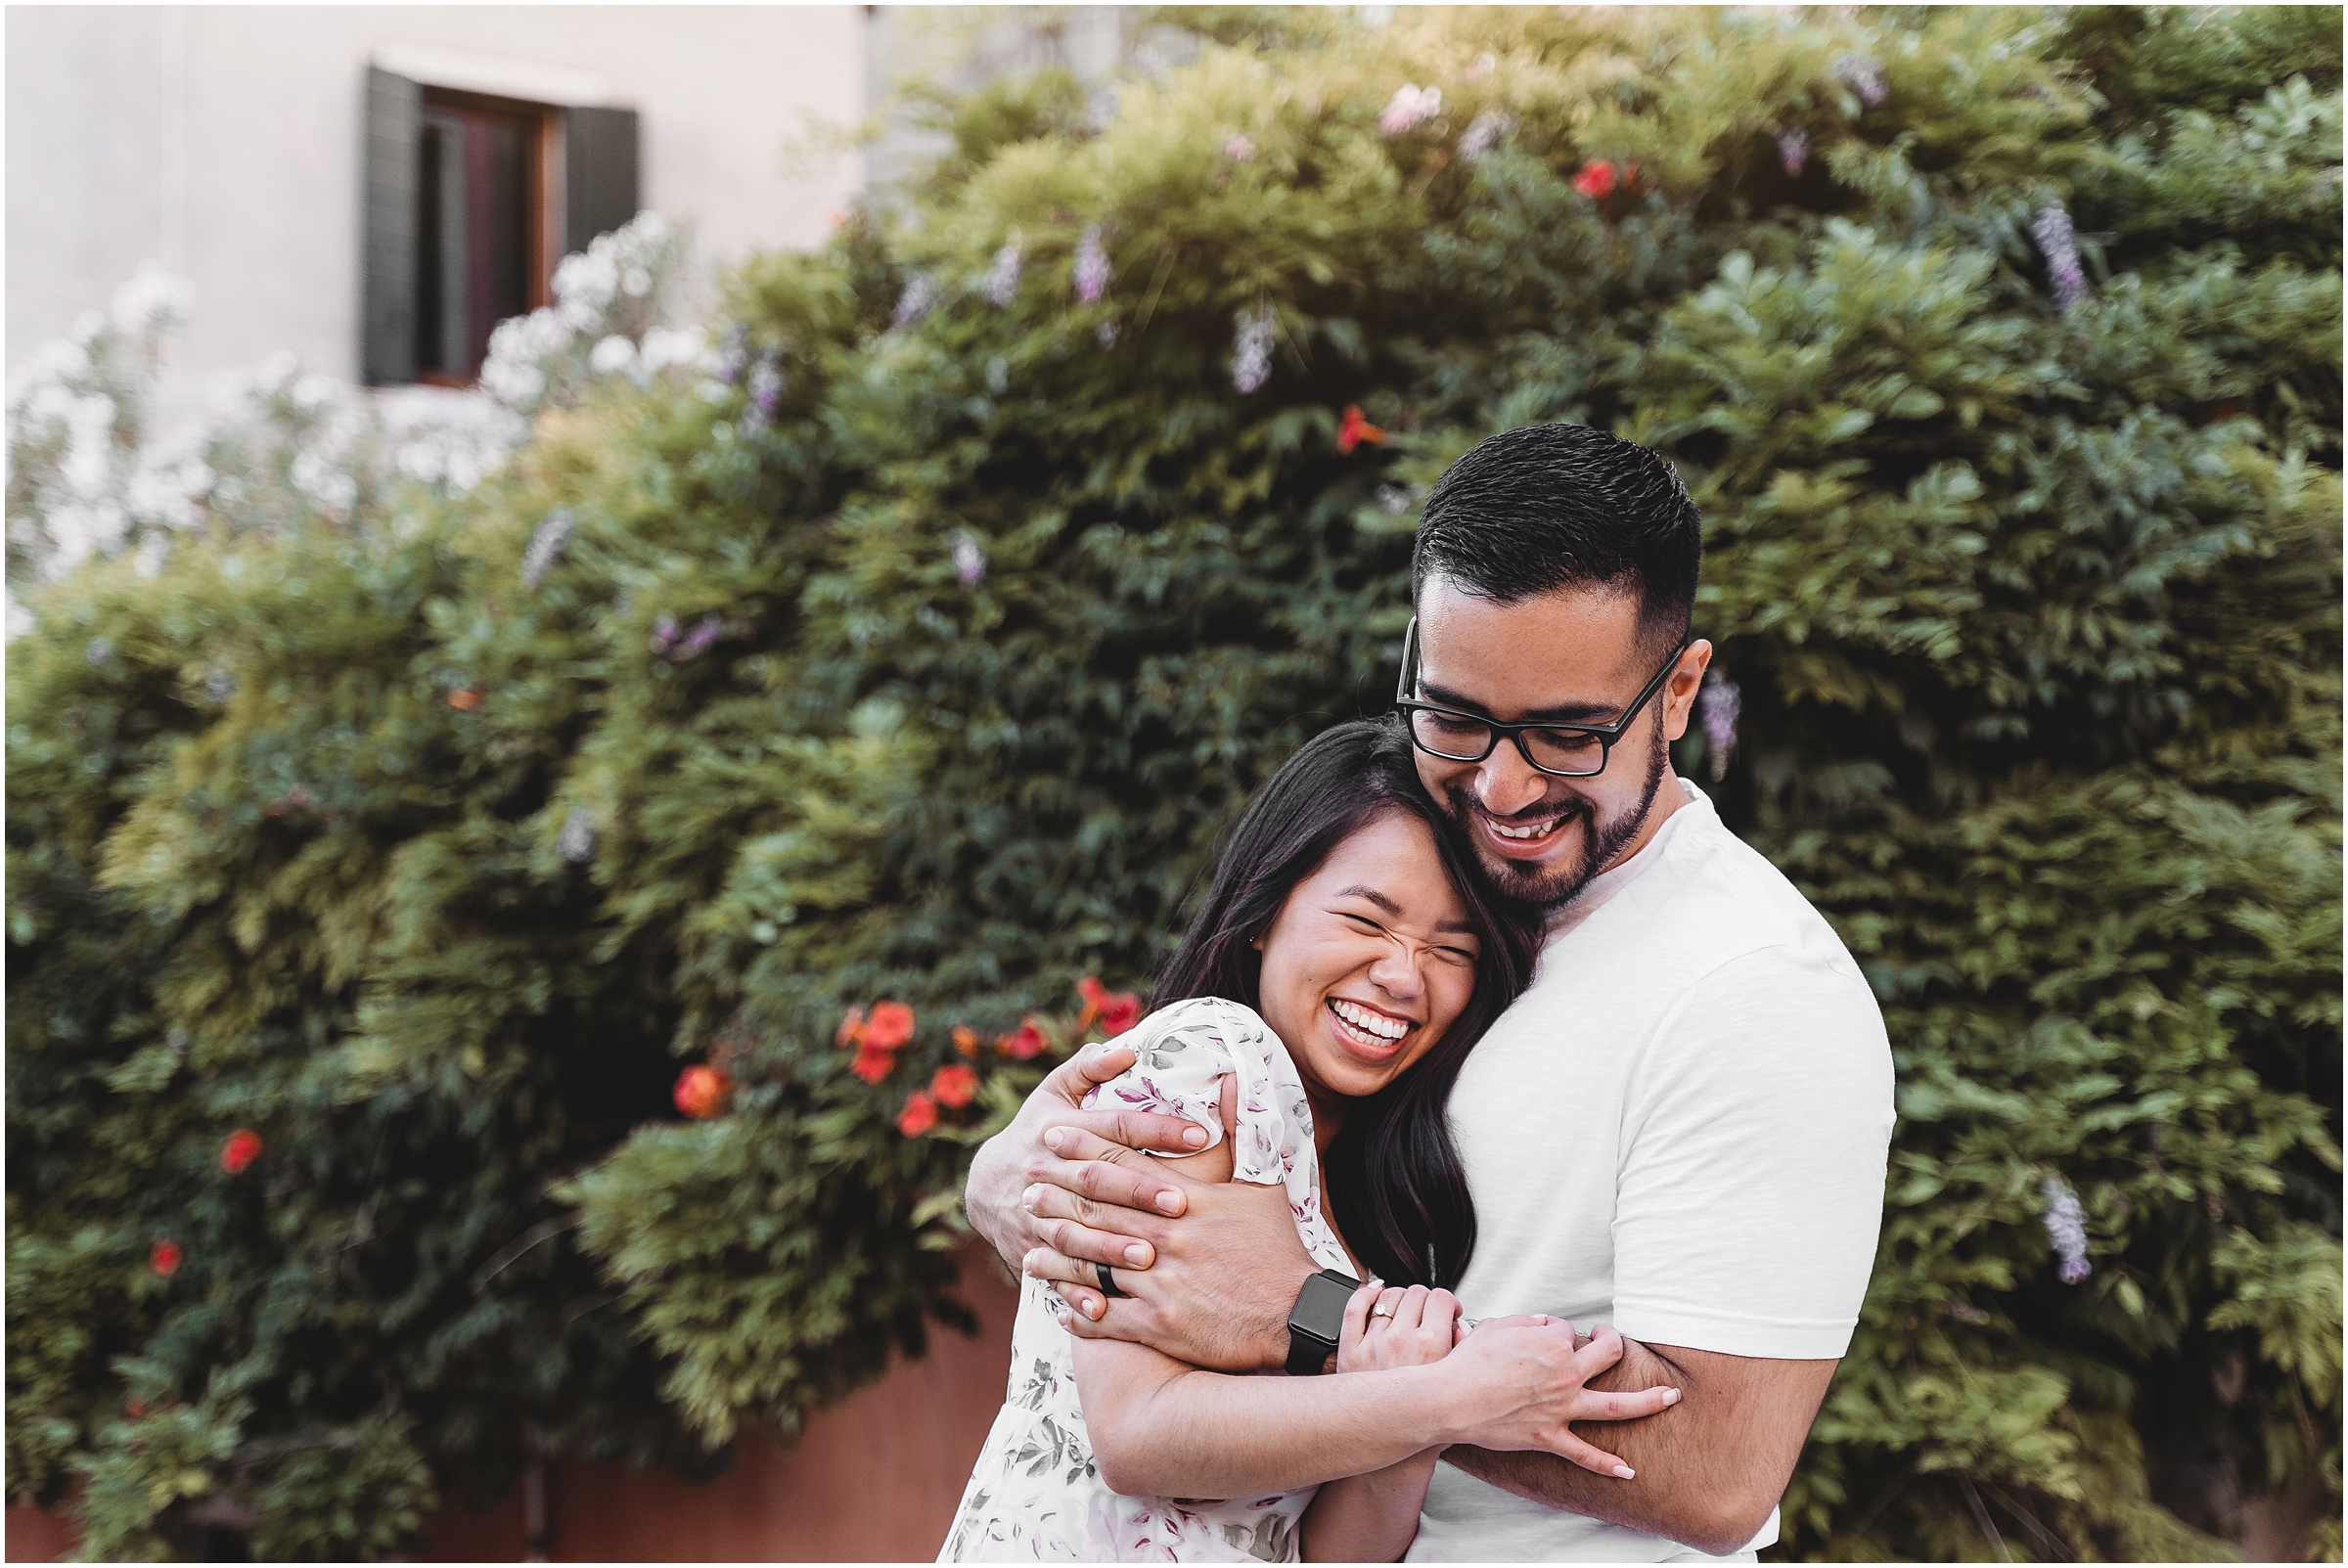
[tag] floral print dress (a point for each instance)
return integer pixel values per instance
(1036, 1495)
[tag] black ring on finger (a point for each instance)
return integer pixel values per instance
(1109, 1286)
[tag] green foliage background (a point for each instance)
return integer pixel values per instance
(2035, 613)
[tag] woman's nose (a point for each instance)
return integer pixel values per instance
(1396, 972)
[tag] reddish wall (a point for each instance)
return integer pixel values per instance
(874, 1479)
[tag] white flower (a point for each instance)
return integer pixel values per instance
(667, 346)
(576, 841)
(611, 356)
(153, 301)
(1409, 107)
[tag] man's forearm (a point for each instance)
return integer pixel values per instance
(990, 1200)
(1708, 1470)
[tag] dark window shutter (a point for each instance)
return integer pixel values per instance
(599, 173)
(388, 159)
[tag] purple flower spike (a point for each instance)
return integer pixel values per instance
(2066, 1230)
(702, 638)
(576, 843)
(1864, 75)
(916, 302)
(734, 353)
(1002, 284)
(969, 560)
(2052, 229)
(1251, 350)
(664, 634)
(1483, 131)
(1723, 703)
(547, 542)
(1793, 148)
(766, 384)
(1092, 266)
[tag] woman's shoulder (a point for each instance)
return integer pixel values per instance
(1183, 1051)
(1202, 1020)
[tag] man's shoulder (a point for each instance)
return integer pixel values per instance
(1714, 901)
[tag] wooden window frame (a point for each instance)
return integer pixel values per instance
(544, 209)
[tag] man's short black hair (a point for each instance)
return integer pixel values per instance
(1545, 507)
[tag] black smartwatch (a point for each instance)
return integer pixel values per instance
(1317, 1320)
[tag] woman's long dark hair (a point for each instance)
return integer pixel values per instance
(1391, 1176)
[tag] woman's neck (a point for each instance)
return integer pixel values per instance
(1329, 1113)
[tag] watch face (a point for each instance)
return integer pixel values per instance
(1320, 1308)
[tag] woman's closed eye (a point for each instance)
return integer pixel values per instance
(1448, 952)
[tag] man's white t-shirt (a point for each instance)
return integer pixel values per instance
(1681, 1130)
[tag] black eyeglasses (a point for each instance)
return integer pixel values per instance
(1561, 751)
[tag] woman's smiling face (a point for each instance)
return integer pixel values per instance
(1367, 963)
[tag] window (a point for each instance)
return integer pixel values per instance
(470, 198)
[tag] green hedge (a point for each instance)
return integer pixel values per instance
(935, 681)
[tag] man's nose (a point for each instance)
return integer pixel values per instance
(1505, 783)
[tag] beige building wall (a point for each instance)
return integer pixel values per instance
(223, 142)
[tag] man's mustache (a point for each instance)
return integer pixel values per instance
(1465, 805)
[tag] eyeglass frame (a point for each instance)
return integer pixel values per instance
(1605, 735)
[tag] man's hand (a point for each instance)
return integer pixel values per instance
(1116, 1177)
(1707, 1472)
(1218, 1290)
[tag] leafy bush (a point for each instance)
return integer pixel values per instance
(925, 662)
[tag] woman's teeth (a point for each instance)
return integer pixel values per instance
(1376, 1025)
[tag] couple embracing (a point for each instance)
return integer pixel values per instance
(1498, 1171)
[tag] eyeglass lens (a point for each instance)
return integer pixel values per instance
(1461, 739)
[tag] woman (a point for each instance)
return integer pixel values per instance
(1344, 964)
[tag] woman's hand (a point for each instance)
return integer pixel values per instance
(1522, 1384)
(1387, 1325)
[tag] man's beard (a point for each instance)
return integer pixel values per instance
(1545, 890)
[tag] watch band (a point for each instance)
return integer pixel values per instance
(1308, 1356)
(1318, 1321)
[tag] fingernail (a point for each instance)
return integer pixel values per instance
(1138, 1255)
(1028, 1199)
(1672, 1398)
(1054, 1136)
(1094, 1309)
(1169, 1202)
(1625, 1471)
(1195, 1136)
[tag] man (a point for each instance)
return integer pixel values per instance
(1681, 1127)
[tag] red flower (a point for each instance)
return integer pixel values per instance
(242, 1147)
(464, 698)
(1119, 1013)
(1597, 179)
(955, 1086)
(851, 1029)
(871, 1063)
(702, 1091)
(1023, 1044)
(966, 1041)
(1096, 996)
(892, 1026)
(164, 1259)
(918, 1115)
(1353, 429)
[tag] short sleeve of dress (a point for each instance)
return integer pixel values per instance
(1182, 1056)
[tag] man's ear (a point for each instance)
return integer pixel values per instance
(1679, 691)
